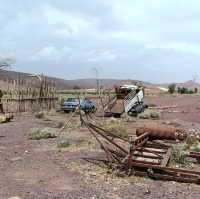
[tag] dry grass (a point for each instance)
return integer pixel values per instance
(40, 115)
(42, 133)
(127, 118)
(59, 124)
(44, 114)
(149, 114)
(116, 126)
(192, 143)
(191, 140)
(63, 143)
(98, 174)
(179, 154)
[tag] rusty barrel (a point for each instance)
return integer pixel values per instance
(162, 133)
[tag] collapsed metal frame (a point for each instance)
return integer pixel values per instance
(141, 156)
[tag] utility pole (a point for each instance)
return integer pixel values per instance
(97, 79)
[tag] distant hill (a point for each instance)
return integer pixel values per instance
(68, 84)
(90, 83)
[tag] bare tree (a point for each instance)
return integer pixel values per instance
(6, 63)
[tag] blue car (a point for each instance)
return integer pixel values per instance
(87, 105)
(71, 104)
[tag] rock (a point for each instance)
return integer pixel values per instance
(147, 191)
(2, 119)
(5, 118)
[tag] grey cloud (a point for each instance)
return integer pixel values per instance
(123, 39)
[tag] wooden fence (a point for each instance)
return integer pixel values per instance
(30, 95)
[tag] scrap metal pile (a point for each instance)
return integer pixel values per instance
(146, 154)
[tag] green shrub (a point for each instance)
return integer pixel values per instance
(195, 148)
(172, 88)
(180, 151)
(183, 90)
(191, 140)
(39, 133)
(192, 143)
(179, 154)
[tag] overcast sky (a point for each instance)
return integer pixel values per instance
(152, 40)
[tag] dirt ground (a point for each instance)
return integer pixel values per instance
(38, 169)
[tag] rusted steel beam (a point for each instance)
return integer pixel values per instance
(194, 155)
(109, 133)
(140, 141)
(158, 176)
(133, 161)
(106, 137)
(165, 169)
(166, 158)
(153, 163)
(189, 179)
(147, 156)
(157, 144)
(162, 133)
(158, 153)
(108, 154)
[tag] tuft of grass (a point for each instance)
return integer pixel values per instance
(180, 151)
(155, 115)
(149, 114)
(179, 154)
(59, 124)
(191, 140)
(144, 116)
(40, 115)
(42, 133)
(116, 127)
(64, 143)
(195, 148)
(52, 112)
(192, 143)
(127, 118)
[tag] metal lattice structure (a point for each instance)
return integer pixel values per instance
(142, 156)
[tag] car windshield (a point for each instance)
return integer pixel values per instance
(72, 100)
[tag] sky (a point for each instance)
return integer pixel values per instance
(149, 40)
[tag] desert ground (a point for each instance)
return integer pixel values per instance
(38, 169)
